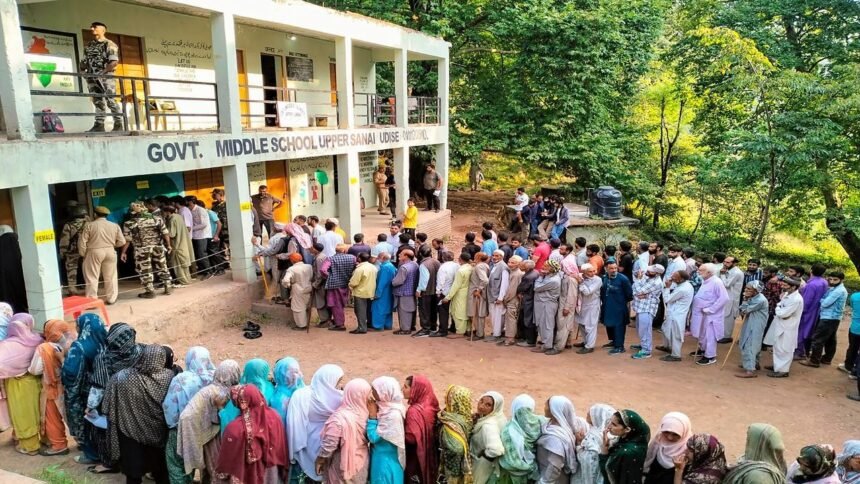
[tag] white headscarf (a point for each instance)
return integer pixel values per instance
(563, 429)
(326, 396)
(391, 415)
(600, 413)
(664, 451)
(297, 421)
(498, 413)
(518, 437)
(307, 412)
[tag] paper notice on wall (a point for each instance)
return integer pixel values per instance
(292, 115)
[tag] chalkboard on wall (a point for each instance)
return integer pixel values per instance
(300, 69)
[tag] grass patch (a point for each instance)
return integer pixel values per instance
(504, 173)
(55, 475)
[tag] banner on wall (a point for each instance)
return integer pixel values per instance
(50, 51)
(311, 186)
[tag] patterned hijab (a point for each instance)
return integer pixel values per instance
(120, 352)
(627, 457)
(185, 385)
(850, 449)
(392, 412)
(256, 373)
(709, 460)
(6, 312)
(765, 444)
(818, 459)
(92, 337)
(456, 422)
(519, 438)
(288, 379)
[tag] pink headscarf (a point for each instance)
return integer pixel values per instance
(661, 449)
(295, 230)
(17, 350)
(25, 318)
(392, 412)
(351, 418)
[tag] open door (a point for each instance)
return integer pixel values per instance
(332, 75)
(131, 63)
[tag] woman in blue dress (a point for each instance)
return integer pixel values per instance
(383, 302)
(386, 433)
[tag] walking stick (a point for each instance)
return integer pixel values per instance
(473, 321)
(265, 279)
(730, 349)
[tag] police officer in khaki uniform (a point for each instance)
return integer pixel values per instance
(151, 241)
(69, 247)
(97, 244)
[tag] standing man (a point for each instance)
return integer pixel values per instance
(733, 280)
(405, 284)
(381, 246)
(265, 206)
(782, 334)
(706, 322)
(444, 280)
(391, 184)
(541, 251)
(646, 298)
(219, 206)
(338, 269)
(590, 285)
(101, 56)
(379, 179)
(183, 252)
(97, 245)
(330, 239)
(678, 296)
(432, 187)
(318, 283)
(753, 272)
(832, 309)
(547, 289)
(615, 293)
(812, 294)
(526, 294)
(147, 233)
(497, 288)
(562, 218)
(643, 260)
(201, 233)
(594, 258)
(363, 287)
(512, 301)
(428, 270)
(625, 259)
(755, 312)
(772, 292)
(69, 253)
(297, 279)
(530, 215)
(459, 296)
(478, 280)
(383, 300)
(676, 262)
(568, 299)
(358, 246)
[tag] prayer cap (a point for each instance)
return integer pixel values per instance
(657, 269)
(755, 286)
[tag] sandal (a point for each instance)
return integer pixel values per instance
(251, 326)
(100, 469)
(47, 452)
(26, 452)
(82, 459)
(253, 334)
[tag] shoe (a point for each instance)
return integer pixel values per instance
(706, 361)
(337, 328)
(49, 452)
(475, 337)
(664, 349)
(422, 333)
(117, 127)
(670, 358)
(617, 351)
(579, 345)
(494, 339)
(584, 351)
(697, 353)
(609, 345)
(179, 286)
(552, 352)
(538, 349)
(436, 334)
(641, 355)
(97, 128)
(636, 347)
(147, 295)
(525, 344)
(168, 290)
(252, 334)
(777, 374)
(724, 341)
(769, 368)
(826, 363)
(322, 324)
(357, 331)
(856, 398)
(746, 374)
(841, 367)
(203, 277)
(298, 328)
(251, 326)
(810, 364)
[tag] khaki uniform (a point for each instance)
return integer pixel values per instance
(97, 244)
(146, 233)
(69, 251)
(381, 191)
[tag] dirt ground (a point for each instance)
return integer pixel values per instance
(808, 407)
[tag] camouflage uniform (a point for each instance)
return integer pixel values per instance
(97, 55)
(145, 232)
(69, 251)
(220, 208)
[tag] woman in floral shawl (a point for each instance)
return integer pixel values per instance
(456, 422)
(622, 462)
(704, 461)
(588, 450)
(816, 464)
(519, 437)
(256, 373)
(849, 462)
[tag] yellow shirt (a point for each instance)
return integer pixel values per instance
(410, 218)
(363, 281)
(339, 231)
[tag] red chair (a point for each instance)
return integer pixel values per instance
(75, 305)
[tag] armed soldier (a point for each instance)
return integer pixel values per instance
(151, 241)
(69, 246)
(101, 56)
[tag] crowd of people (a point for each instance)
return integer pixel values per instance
(132, 409)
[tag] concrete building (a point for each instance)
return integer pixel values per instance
(214, 93)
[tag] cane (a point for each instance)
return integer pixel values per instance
(730, 350)
(265, 279)
(472, 322)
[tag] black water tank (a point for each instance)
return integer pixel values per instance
(607, 203)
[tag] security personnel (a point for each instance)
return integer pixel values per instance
(97, 244)
(147, 233)
(69, 246)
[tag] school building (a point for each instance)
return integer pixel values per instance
(213, 93)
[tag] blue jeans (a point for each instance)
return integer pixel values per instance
(557, 230)
(643, 325)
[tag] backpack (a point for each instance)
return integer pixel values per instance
(51, 123)
(307, 257)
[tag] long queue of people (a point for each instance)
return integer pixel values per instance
(132, 409)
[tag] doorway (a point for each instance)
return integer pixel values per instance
(272, 69)
(244, 108)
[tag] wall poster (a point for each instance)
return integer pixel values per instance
(51, 51)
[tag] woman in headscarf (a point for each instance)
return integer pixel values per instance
(422, 436)
(199, 373)
(556, 447)
(849, 462)
(288, 379)
(343, 455)
(623, 461)
(253, 450)
(47, 363)
(133, 405)
(12, 287)
(309, 409)
(703, 461)
(198, 439)
(120, 352)
(668, 443)
(765, 444)
(77, 367)
(754, 472)
(485, 443)
(295, 231)
(256, 373)
(518, 464)
(6, 313)
(22, 388)
(5, 316)
(456, 422)
(588, 450)
(816, 464)
(385, 432)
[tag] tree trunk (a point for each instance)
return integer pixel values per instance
(835, 220)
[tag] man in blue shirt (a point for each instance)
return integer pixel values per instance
(852, 354)
(832, 308)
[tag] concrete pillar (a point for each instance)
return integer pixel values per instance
(401, 88)
(442, 90)
(226, 72)
(349, 194)
(38, 252)
(239, 214)
(442, 165)
(401, 177)
(15, 88)
(345, 91)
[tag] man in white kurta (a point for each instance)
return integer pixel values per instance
(783, 330)
(567, 300)
(496, 290)
(589, 306)
(297, 278)
(678, 296)
(733, 279)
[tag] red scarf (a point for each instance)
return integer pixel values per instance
(253, 442)
(421, 430)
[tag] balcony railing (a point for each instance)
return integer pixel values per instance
(376, 110)
(423, 110)
(259, 105)
(144, 103)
